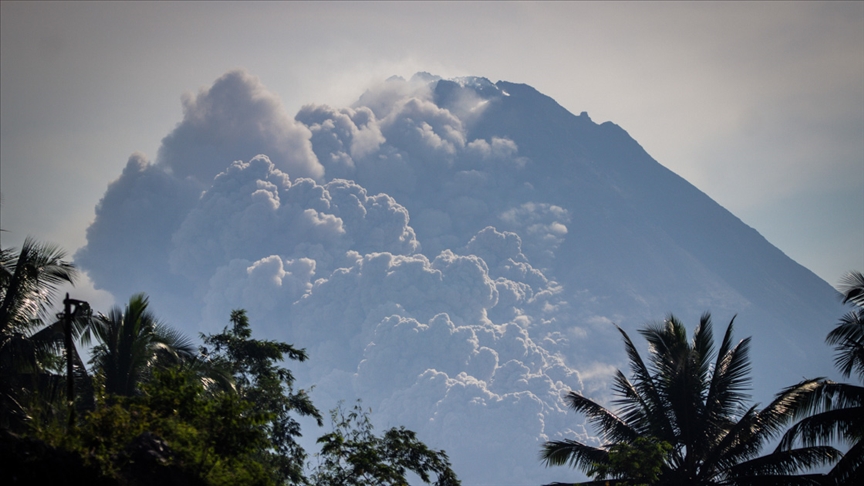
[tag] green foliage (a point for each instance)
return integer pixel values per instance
(352, 455)
(234, 431)
(258, 379)
(221, 435)
(162, 414)
(172, 429)
(640, 463)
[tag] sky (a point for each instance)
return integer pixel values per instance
(759, 105)
(446, 282)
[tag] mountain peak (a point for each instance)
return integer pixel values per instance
(452, 251)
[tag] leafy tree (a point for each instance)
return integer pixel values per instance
(640, 461)
(171, 432)
(836, 410)
(133, 343)
(693, 399)
(352, 455)
(228, 433)
(258, 378)
(29, 349)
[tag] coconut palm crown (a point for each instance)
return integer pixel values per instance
(132, 343)
(693, 399)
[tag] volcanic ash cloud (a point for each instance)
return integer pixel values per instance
(448, 250)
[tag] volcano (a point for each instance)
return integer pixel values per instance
(454, 252)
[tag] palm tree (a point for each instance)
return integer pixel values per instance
(838, 408)
(28, 283)
(694, 400)
(848, 336)
(132, 343)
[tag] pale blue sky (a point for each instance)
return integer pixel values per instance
(761, 105)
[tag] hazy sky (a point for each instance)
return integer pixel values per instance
(760, 105)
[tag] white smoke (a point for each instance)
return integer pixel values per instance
(236, 119)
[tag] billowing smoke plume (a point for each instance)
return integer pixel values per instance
(439, 248)
(235, 119)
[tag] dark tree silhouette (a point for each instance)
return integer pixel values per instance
(29, 349)
(351, 455)
(694, 400)
(258, 378)
(835, 411)
(133, 343)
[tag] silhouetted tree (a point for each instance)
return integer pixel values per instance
(133, 343)
(693, 399)
(351, 455)
(836, 410)
(29, 349)
(258, 378)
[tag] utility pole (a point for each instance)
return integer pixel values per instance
(68, 316)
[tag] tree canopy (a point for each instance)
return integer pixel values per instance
(833, 411)
(162, 411)
(258, 379)
(351, 455)
(132, 344)
(692, 398)
(30, 346)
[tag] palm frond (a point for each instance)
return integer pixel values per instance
(734, 442)
(27, 295)
(852, 287)
(667, 343)
(787, 404)
(605, 421)
(830, 411)
(778, 480)
(132, 343)
(601, 482)
(825, 427)
(694, 400)
(731, 377)
(786, 463)
(850, 468)
(181, 345)
(573, 453)
(644, 384)
(634, 409)
(848, 341)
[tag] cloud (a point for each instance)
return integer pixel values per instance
(416, 147)
(421, 128)
(264, 286)
(351, 301)
(253, 209)
(544, 226)
(340, 136)
(129, 241)
(382, 98)
(440, 379)
(235, 119)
